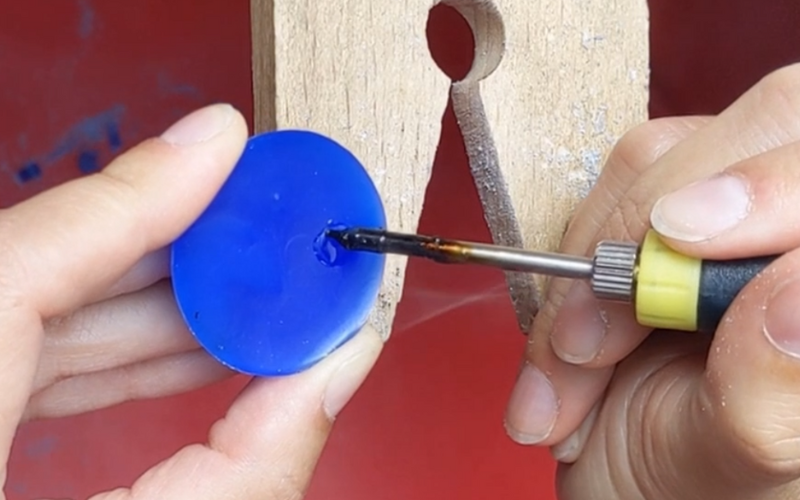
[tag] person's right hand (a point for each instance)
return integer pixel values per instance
(635, 414)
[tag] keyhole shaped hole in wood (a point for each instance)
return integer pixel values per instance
(450, 25)
(466, 39)
(450, 41)
(453, 23)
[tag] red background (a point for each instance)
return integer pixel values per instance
(82, 80)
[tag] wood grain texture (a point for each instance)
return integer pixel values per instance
(554, 85)
(360, 72)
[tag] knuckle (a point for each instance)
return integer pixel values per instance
(70, 347)
(774, 107)
(640, 147)
(119, 196)
(633, 216)
(117, 189)
(781, 88)
(619, 204)
(290, 486)
(13, 271)
(760, 452)
(545, 318)
(766, 446)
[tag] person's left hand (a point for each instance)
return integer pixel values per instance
(88, 320)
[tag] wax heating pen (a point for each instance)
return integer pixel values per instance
(667, 289)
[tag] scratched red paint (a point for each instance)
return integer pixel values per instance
(427, 424)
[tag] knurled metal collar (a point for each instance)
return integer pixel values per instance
(614, 271)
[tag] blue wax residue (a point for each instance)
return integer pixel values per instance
(327, 249)
(259, 284)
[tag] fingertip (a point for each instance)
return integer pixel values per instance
(569, 450)
(201, 125)
(197, 153)
(739, 212)
(353, 365)
(580, 326)
(703, 210)
(296, 412)
(551, 397)
(214, 135)
(532, 408)
(543, 322)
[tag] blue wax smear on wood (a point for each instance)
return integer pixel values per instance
(259, 286)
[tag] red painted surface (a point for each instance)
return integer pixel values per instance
(428, 423)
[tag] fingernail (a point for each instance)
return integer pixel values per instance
(569, 450)
(565, 450)
(532, 407)
(346, 380)
(200, 126)
(782, 319)
(579, 327)
(702, 210)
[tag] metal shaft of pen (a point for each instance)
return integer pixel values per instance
(512, 259)
(461, 252)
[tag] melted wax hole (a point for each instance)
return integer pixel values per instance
(326, 249)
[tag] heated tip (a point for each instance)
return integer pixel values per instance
(382, 241)
(362, 239)
(337, 234)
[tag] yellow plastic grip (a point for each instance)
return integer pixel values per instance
(668, 286)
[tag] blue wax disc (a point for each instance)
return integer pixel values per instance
(260, 287)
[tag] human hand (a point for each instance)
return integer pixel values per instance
(632, 413)
(89, 320)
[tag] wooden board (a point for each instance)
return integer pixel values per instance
(553, 85)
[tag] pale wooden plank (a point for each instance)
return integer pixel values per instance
(360, 72)
(554, 86)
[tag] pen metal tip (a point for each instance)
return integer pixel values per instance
(458, 252)
(412, 245)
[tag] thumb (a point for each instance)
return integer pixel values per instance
(752, 380)
(268, 444)
(743, 417)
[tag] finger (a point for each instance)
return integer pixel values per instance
(142, 201)
(764, 118)
(165, 376)
(635, 449)
(756, 122)
(736, 404)
(549, 399)
(65, 246)
(634, 154)
(750, 209)
(577, 323)
(150, 269)
(269, 442)
(118, 332)
(716, 422)
(749, 398)
(552, 397)
(568, 450)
